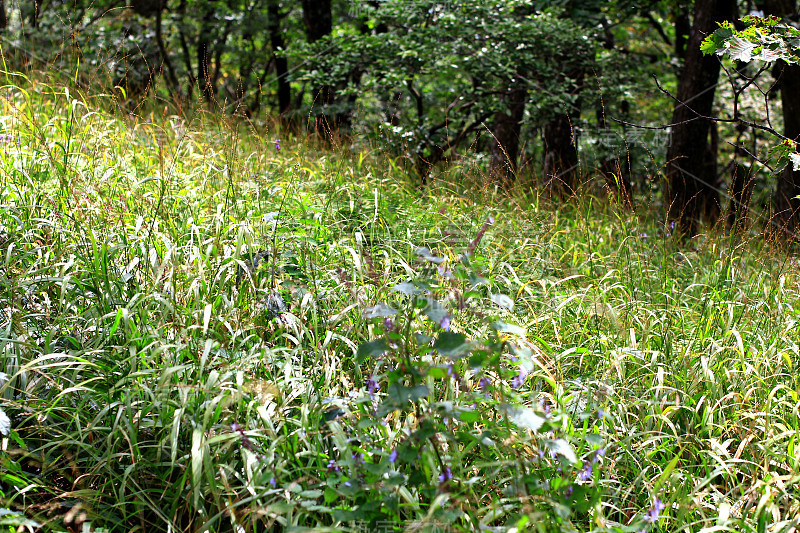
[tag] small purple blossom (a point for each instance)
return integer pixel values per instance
(445, 324)
(333, 467)
(598, 453)
(277, 145)
(388, 325)
(373, 386)
(393, 456)
(484, 383)
(273, 482)
(443, 271)
(655, 511)
(518, 380)
(586, 472)
(568, 492)
(446, 475)
(347, 484)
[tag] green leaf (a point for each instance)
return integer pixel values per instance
(409, 289)
(503, 301)
(526, 418)
(504, 327)
(563, 448)
(469, 416)
(452, 344)
(374, 348)
(379, 310)
(435, 311)
(401, 395)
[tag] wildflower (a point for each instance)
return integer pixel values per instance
(568, 492)
(393, 456)
(347, 484)
(273, 482)
(277, 145)
(445, 324)
(446, 475)
(586, 473)
(373, 386)
(601, 414)
(388, 325)
(443, 271)
(519, 379)
(5, 423)
(598, 453)
(654, 512)
(484, 383)
(333, 467)
(643, 236)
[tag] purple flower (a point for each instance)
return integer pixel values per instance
(568, 492)
(654, 512)
(277, 145)
(445, 324)
(388, 325)
(484, 383)
(393, 456)
(598, 453)
(346, 483)
(273, 482)
(443, 271)
(373, 386)
(519, 379)
(333, 467)
(446, 475)
(586, 473)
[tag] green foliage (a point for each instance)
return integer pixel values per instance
(765, 40)
(200, 332)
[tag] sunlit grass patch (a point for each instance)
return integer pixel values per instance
(201, 332)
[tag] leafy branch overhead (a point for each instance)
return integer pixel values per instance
(767, 40)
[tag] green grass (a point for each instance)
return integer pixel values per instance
(151, 386)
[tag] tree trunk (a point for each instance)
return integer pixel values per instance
(505, 142)
(785, 201)
(3, 16)
(560, 156)
(204, 81)
(281, 64)
(692, 181)
(318, 20)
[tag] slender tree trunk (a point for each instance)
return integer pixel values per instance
(505, 143)
(692, 180)
(3, 16)
(281, 64)
(318, 20)
(785, 198)
(560, 146)
(204, 81)
(560, 156)
(34, 20)
(172, 78)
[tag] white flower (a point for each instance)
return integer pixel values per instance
(5, 423)
(795, 159)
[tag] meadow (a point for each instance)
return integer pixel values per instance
(210, 325)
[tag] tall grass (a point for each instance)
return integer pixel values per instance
(564, 367)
